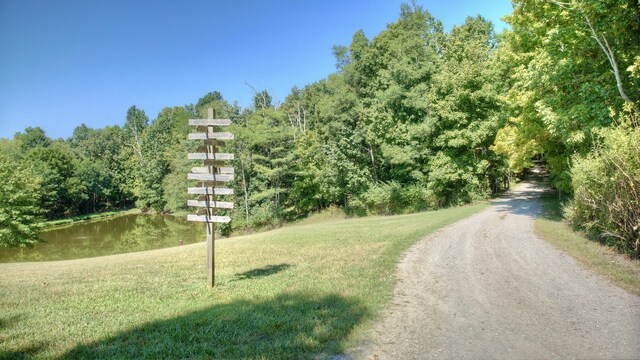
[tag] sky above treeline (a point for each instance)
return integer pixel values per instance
(67, 62)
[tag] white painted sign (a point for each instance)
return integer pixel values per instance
(209, 219)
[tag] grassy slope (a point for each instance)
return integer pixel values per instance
(600, 258)
(306, 290)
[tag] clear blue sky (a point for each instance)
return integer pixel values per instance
(65, 62)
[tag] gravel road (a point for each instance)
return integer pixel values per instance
(487, 287)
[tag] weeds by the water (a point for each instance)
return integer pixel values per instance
(74, 219)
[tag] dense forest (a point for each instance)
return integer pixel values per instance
(415, 118)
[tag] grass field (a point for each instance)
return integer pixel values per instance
(307, 290)
(600, 258)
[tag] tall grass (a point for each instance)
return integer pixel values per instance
(606, 187)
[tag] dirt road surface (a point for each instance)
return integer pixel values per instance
(487, 287)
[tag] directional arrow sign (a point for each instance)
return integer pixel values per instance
(211, 135)
(211, 219)
(211, 204)
(210, 156)
(209, 122)
(209, 191)
(206, 170)
(210, 177)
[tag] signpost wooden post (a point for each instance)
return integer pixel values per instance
(210, 178)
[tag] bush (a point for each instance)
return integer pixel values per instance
(19, 205)
(393, 198)
(606, 185)
(263, 216)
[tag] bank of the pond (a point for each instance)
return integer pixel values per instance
(123, 233)
(51, 224)
(300, 291)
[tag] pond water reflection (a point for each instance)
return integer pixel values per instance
(117, 235)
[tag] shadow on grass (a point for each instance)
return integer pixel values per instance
(287, 326)
(261, 272)
(28, 353)
(552, 206)
(6, 322)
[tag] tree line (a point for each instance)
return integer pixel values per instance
(415, 118)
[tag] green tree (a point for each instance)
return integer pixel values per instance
(32, 138)
(98, 151)
(467, 112)
(19, 205)
(207, 100)
(131, 154)
(569, 62)
(61, 190)
(264, 152)
(159, 144)
(96, 184)
(174, 184)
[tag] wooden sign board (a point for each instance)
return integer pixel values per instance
(209, 143)
(211, 204)
(211, 177)
(209, 191)
(209, 122)
(209, 219)
(211, 135)
(208, 170)
(210, 156)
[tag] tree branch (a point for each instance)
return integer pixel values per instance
(610, 56)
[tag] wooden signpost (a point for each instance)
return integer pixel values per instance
(211, 178)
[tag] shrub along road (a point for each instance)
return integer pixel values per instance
(488, 287)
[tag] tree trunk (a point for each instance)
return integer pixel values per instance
(373, 163)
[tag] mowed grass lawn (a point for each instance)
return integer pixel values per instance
(303, 291)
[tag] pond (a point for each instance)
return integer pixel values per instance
(116, 235)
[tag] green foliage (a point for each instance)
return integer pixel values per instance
(174, 184)
(393, 198)
(263, 215)
(61, 190)
(606, 185)
(156, 142)
(306, 191)
(573, 88)
(103, 167)
(414, 118)
(264, 148)
(19, 205)
(135, 124)
(31, 139)
(564, 86)
(406, 124)
(205, 101)
(468, 113)
(96, 184)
